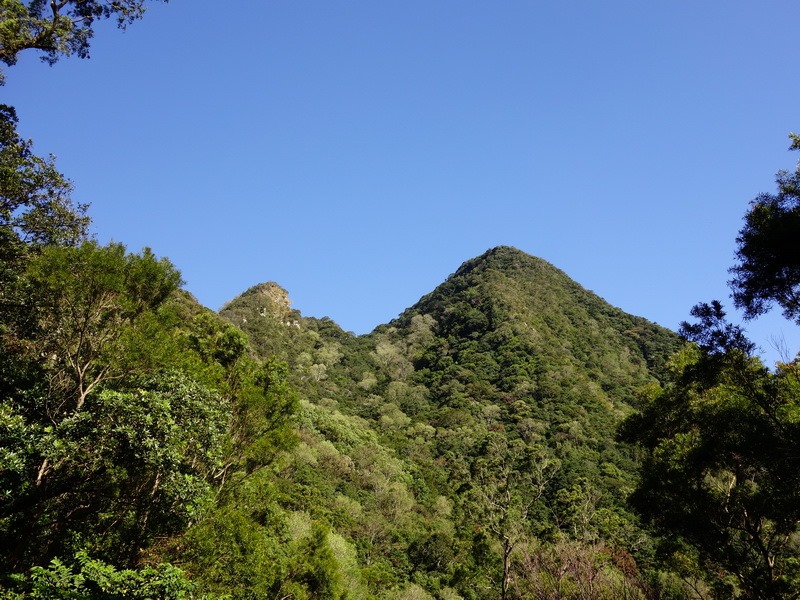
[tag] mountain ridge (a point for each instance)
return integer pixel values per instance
(503, 255)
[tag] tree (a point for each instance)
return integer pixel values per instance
(722, 469)
(36, 211)
(58, 27)
(768, 253)
(713, 334)
(80, 456)
(315, 573)
(508, 479)
(722, 438)
(92, 578)
(84, 298)
(35, 204)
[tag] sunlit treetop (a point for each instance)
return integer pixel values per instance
(57, 27)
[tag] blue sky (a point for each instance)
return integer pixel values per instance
(357, 152)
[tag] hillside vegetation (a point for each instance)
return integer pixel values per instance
(468, 449)
(461, 447)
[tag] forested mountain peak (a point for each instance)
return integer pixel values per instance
(506, 293)
(503, 272)
(504, 258)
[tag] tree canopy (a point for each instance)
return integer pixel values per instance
(722, 471)
(722, 437)
(768, 254)
(36, 206)
(57, 27)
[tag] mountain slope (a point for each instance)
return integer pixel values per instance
(450, 446)
(510, 346)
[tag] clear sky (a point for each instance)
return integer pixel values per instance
(357, 152)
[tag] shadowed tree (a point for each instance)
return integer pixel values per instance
(722, 469)
(768, 254)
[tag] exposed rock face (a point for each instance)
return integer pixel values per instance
(277, 296)
(266, 300)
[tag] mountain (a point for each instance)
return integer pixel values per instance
(462, 447)
(506, 303)
(513, 289)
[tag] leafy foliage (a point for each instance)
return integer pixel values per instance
(57, 28)
(768, 254)
(83, 454)
(713, 334)
(92, 578)
(720, 475)
(36, 209)
(35, 204)
(720, 470)
(126, 407)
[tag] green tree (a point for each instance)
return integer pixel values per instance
(36, 208)
(89, 444)
(92, 578)
(722, 469)
(59, 27)
(315, 573)
(508, 479)
(84, 299)
(768, 253)
(722, 438)
(35, 203)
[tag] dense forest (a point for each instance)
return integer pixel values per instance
(511, 435)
